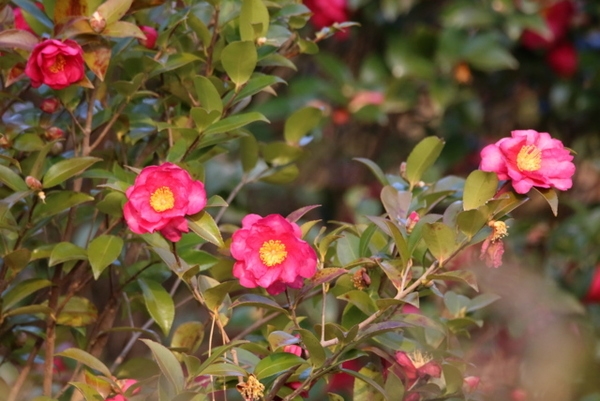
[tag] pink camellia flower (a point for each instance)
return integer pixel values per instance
(365, 98)
(417, 365)
(151, 36)
(124, 386)
(562, 58)
(327, 12)
(557, 17)
(55, 63)
(270, 253)
(159, 200)
(530, 159)
(20, 22)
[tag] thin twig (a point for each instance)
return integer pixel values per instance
(16, 387)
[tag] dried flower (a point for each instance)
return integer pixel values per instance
(252, 389)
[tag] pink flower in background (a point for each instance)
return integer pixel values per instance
(125, 385)
(327, 12)
(557, 17)
(563, 60)
(270, 253)
(50, 105)
(492, 247)
(151, 36)
(365, 98)
(55, 63)
(160, 199)
(530, 159)
(20, 22)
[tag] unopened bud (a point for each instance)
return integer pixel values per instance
(42, 196)
(97, 22)
(4, 142)
(151, 37)
(50, 105)
(261, 41)
(54, 133)
(411, 222)
(33, 183)
(470, 383)
(57, 148)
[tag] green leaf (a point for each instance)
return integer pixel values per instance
(188, 336)
(29, 310)
(470, 222)
(248, 152)
(12, 179)
(258, 301)
(367, 388)
(486, 52)
(20, 291)
(206, 228)
(316, 352)
(65, 169)
(17, 259)
(57, 202)
(481, 301)
(394, 385)
(422, 157)
(480, 187)
(65, 251)
(86, 359)
(256, 84)
(123, 29)
(277, 364)
(216, 294)
(224, 369)
(254, 20)
(282, 175)
(278, 338)
(102, 251)
(440, 239)
(300, 123)
(88, 392)
(159, 304)
(113, 10)
(375, 169)
(77, 312)
(234, 122)
(361, 300)
(550, 196)
(207, 94)
(396, 203)
(462, 276)
(167, 363)
(203, 118)
(239, 60)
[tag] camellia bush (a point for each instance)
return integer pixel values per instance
(128, 273)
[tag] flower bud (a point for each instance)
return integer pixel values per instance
(4, 141)
(33, 183)
(54, 133)
(50, 105)
(97, 22)
(470, 383)
(151, 36)
(411, 222)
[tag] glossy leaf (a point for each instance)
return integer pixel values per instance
(256, 84)
(58, 202)
(464, 276)
(300, 123)
(17, 259)
(207, 94)
(440, 240)
(480, 187)
(203, 118)
(239, 60)
(234, 122)
(224, 369)
(20, 291)
(361, 300)
(205, 227)
(316, 352)
(278, 339)
(113, 10)
(258, 301)
(550, 196)
(97, 57)
(66, 251)
(103, 251)
(276, 364)
(88, 392)
(159, 304)
(368, 386)
(64, 10)
(77, 312)
(470, 222)
(12, 179)
(396, 203)
(65, 169)
(16, 38)
(87, 359)
(375, 169)
(248, 152)
(422, 157)
(254, 20)
(123, 29)
(167, 363)
(188, 336)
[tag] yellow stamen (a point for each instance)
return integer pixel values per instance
(529, 158)
(419, 358)
(59, 64)
(162, 199)
(251, 390)
(499, 230)
(272, 252)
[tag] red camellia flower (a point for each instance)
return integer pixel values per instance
(530, 159)
(593, 292)
(417, 365)
(558, 17)
(151, 36)
(55, 63)
(20, 22)
(562, 58)
(50, 105)
(270, 253)
(327, 12)
(160, 199)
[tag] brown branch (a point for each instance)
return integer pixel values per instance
(16, 387)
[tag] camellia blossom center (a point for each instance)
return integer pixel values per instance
(529, 158)
(272, 252)
(59, 64)
(162, 199)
